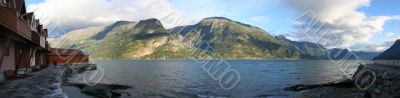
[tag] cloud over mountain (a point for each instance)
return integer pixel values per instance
(341, 19)
(74, 14)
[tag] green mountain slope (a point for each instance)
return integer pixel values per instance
(235, 40)
(148, 39)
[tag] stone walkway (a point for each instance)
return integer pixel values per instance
(43, 84)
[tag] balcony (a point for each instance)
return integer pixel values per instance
(35, 38)
(10, 20)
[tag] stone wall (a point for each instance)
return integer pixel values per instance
(378, 81)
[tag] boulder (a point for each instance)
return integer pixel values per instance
(98, 91)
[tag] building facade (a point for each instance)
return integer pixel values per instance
(68, 56)
(23, 40)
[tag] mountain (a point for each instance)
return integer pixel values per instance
(148, 39)
(344, 54)
(393, 53)
(233, 39)
(307, 50)
(366, 55)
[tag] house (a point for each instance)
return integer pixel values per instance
(23, 40)
(389, 57)
(68, 56)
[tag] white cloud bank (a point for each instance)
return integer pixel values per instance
(343, 19)
(74, 14)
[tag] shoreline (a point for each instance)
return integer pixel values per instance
(79, 89)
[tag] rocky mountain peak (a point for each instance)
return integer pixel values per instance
(216, 18)
(109, 28)
(150, 22)
(281, 37)
(221, 21)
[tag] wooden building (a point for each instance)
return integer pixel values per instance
(68, 56)
(389, 57)
(23, 40)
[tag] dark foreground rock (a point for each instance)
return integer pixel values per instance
(369, 81)
(341, 89)
(379, 81)
(342, 84)
(102, 90)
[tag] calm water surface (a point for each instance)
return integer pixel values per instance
(186, 78)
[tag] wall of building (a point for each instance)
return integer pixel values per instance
(9, 61)
(68, 59)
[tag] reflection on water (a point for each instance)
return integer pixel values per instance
(186, 78)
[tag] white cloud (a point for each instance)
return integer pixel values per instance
(392, 36)
(396, 17)
(73, 14)
(345, 23)
(371, 47)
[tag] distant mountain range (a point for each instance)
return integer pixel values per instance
(148, 39)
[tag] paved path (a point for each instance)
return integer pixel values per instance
(43, 84)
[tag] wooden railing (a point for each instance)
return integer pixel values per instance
(10, 20)
(35, 38)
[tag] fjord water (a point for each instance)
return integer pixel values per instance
(186, 78)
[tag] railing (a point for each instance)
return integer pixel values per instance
(35, 38)
(10, 20)
(387, 62)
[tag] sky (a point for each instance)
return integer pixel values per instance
(359, 25)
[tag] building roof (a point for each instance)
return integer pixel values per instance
(61, 51)
(393, 53)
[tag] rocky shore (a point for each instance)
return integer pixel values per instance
(43, 84)
(381, 81)
(82, 89)
(341, 89)
(369, 81)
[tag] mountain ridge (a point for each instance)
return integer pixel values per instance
(148, 39)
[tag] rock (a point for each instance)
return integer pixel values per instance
(98, 91)
(341, 84)
(387, 84)
(102, 90)
(55, 86)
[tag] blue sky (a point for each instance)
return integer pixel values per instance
(384, 8)
(274, 16)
